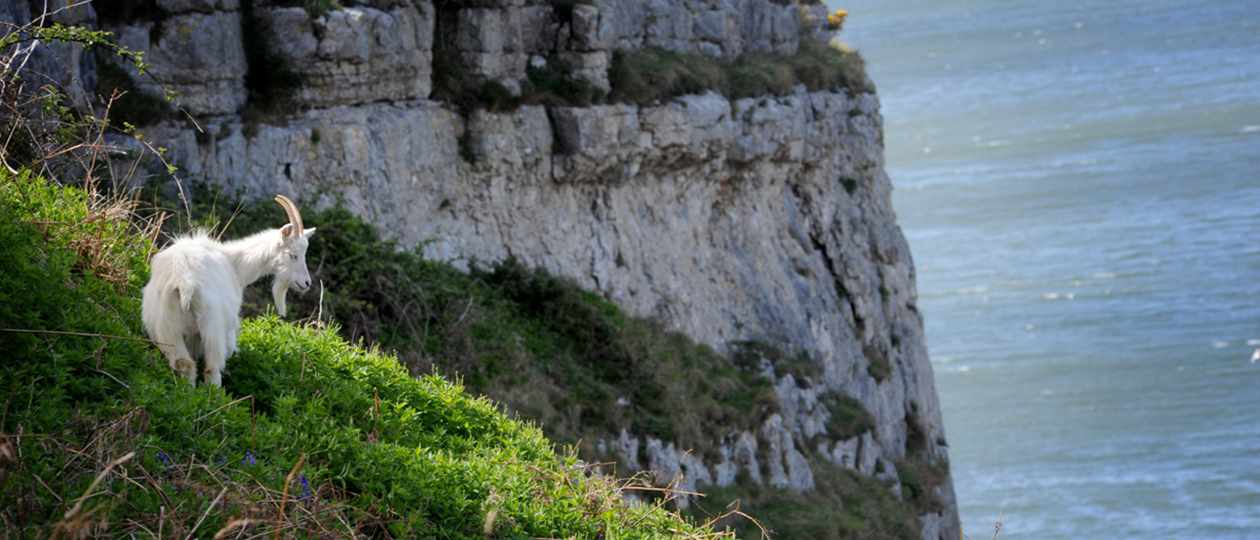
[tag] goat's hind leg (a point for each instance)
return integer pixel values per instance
(218, 342)
(171, 342)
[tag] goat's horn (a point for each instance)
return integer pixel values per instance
(295, 217)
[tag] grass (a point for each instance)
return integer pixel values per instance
(877, 365)
(310, 432)
(849, 418)
(803, 368)
(653, 75)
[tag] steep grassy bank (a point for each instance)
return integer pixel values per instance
(310, 433)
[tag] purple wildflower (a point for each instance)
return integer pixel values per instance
(249, 459)
(306, 487)
(164, 458)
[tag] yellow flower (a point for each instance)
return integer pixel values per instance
(836, 20)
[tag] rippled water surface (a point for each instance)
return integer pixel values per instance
(1080, 185)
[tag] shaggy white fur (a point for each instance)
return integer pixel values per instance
(192, 303)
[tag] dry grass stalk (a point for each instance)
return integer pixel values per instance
(288, 480)
(76, 523)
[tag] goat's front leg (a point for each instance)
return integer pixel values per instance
(279, 287)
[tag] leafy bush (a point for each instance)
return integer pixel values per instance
(308, 434)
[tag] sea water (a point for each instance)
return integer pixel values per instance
(1080, 186)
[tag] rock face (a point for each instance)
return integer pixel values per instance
(754, 219)
(353, 55)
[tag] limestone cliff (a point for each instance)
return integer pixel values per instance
(762, 218)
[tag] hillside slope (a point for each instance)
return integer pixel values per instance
(310, 434)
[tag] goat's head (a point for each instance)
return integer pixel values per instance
(291, 270)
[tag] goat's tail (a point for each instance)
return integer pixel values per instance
(185, 287)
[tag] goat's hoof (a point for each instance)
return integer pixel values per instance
(187, 369)
(212, 378)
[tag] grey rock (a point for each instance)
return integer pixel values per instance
(64, 65)
(353, 55)
(744, 455)
(627, 449)
(787, 467)
(200, 57)
(591, 67)
(868, 455)
(845, 453)
(507, 142)
(589, 33)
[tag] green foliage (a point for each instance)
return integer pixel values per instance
(88, 38)
(318, 8)
(844, 505)
(549, 85)
(648, 75)
(877, 365)
(849, 418)
(384, 453)
(653, 75)
(552, 84)
(921, 474)
(920, 479)
(803, 368)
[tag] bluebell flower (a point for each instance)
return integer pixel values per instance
(164, 458)
(248, 459)
(306, 487)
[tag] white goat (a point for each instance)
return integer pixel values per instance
(193, 298)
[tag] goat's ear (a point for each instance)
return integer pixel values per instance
(308, 232)
(287, 230)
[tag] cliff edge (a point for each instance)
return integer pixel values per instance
(481, 130)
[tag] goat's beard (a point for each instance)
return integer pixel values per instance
(279, 288)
